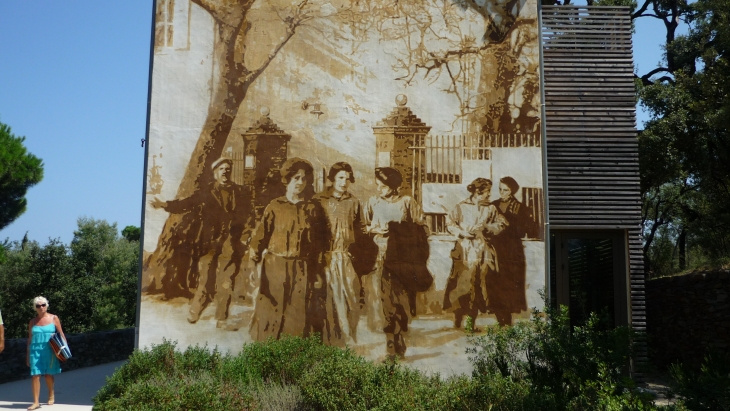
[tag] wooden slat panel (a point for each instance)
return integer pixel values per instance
(590, 122)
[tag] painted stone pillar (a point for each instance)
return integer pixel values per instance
(264, 152)
(396, 138)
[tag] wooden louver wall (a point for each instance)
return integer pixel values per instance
(592, 152)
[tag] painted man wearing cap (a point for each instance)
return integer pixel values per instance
(225, 214)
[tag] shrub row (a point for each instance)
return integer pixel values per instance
(543, 364)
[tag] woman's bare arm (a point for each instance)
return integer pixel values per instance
(57, 322)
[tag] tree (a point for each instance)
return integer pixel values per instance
(110, 264)
(685, 147)
(40, 270)
(19, 170)
(91, 284)
(131, 233)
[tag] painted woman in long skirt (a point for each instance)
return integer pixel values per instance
(393, 308)
(294, 234)
(473, 255)
(343, 284)
(506, 286)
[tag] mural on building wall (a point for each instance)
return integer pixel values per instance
(370, 171)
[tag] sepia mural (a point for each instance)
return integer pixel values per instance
(367, 171)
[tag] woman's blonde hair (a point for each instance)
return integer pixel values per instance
(40, 300)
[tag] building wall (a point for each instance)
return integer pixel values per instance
(350, 84)
(590, 126)
(183, 70)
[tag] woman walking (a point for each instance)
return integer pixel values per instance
(393, 303)
(343, 284)
(40, 358)
(473, 255)
(294, 234)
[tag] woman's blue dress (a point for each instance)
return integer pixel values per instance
(42, 359)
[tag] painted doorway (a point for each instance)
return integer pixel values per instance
(588, 273)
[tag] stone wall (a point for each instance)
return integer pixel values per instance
(688, 315)
(88, 349)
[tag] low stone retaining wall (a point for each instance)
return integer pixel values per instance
(688, 315)
(88, 349)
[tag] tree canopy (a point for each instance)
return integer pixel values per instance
(19, 170)
(131, 233)
(685, 147)
(91, 284)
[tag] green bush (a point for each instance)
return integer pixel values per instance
(706, 390)
(91, 284)
(291, 373)
(275, 397)
(513, 368)
(163, 378)
(562, 367)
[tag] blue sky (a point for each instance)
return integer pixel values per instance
(73, 81)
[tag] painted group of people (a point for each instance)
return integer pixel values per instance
(326, 259)
(316, 249)
(489, 266)
(312, 249)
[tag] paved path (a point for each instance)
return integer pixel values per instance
(74, 389)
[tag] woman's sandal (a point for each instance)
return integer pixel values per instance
(51, 401)
(34, 407)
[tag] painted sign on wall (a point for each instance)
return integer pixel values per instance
(368, 170)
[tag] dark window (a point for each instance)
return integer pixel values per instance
(588, 274)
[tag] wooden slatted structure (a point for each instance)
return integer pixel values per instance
(591, 146)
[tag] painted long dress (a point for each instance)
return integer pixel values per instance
(343, 283)
(506, 286)
(294, 237)
(473, 257)
(388, 305)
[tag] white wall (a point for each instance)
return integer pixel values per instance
(181, 90)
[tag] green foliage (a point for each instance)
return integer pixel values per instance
(629, 3)
(538, 365)
(131, 233)
(165, 379)
(19, 170)
(706, 390)
(275, 397)
(4, 246)
(91, 284)
(110, 263)
(685, 147)
(26, 274)
(567, 368)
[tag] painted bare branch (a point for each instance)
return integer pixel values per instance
(235, 80)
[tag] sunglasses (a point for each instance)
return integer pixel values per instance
(39, 305)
